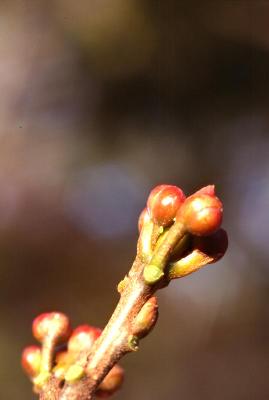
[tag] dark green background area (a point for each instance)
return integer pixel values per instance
(99, 102)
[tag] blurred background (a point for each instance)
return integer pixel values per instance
(100, 101)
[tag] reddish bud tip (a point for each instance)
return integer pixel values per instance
(30, 360)
(112, 382)
(83, 338)
(210, 190)
(163, 203)
(53, 324)
(143, 218)
(214, 245)
(201, 214)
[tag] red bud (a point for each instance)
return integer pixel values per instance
(53, 324)
(83, 338)
(164, 202)
(201, 214)
(214, 245)
(30, 360)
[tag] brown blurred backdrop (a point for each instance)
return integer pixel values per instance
(100, 101)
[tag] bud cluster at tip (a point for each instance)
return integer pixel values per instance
(178, 236)
(201, 212)
(178, 218)
(54, 328)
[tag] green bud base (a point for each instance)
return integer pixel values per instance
(152, 274)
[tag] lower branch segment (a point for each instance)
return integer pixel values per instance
(111, 345)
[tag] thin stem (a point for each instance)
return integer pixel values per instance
(176, 232)
(47, 354)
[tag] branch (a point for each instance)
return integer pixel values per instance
(168, 248)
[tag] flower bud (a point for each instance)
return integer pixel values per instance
(83, 338)
(205, 250)
(50, 329)
(214, 245)
(201, 214)
(111, 383)
(163, 203)
(146, 318)
(30, 360)
(52, 324)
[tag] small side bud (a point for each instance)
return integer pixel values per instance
(146, 318)
(201, 214)
(163, 203)
(133, 343)
(111, 383)
(122, 284)
(30, 360)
